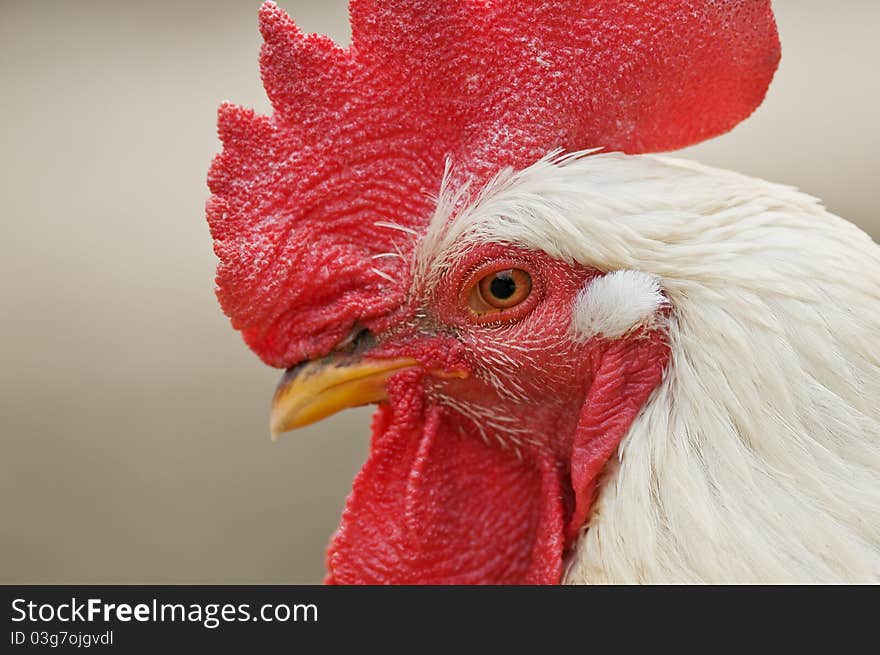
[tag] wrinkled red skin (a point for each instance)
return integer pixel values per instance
(301, 214)
(361, 136)
(446, 499)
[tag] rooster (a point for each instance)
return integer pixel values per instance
(591, 364)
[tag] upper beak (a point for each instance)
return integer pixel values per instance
(316, 389)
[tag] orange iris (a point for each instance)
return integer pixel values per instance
(500, 290)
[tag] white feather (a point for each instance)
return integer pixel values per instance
(612, 305)
(758, 457)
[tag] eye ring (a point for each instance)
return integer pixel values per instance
(500, 290)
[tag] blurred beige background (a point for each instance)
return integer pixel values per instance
(133, 421)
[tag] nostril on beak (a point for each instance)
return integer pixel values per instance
(358, 340)
(364, 340)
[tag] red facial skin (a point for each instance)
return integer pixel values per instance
(488, 479)
(361, 136)
(316, 211)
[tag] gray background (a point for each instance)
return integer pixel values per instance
(134, 421)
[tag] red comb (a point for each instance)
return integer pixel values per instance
(361, 136)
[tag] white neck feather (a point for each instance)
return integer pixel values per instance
(758, 457)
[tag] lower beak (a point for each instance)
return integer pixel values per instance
(316, 389)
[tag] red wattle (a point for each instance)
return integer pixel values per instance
(433, 506)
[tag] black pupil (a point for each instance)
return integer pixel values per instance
(503, 286)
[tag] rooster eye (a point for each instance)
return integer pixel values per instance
(500, 290)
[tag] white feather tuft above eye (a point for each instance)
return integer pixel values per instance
(614, 304)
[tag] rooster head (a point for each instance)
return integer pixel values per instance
(368, 244)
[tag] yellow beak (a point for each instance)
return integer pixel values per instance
(315, 390)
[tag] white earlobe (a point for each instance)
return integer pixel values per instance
(613, 304)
